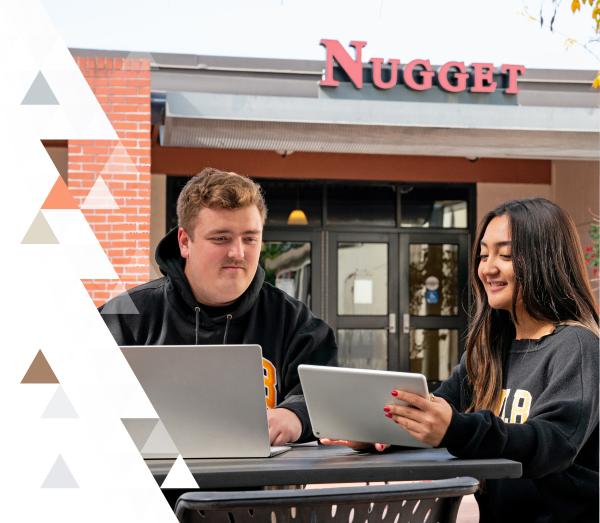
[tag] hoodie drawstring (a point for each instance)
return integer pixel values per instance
(197, 309)
(229, 316)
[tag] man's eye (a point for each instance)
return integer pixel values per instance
(219, 239)
(251, 240)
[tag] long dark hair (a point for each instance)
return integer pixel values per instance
(553, 283)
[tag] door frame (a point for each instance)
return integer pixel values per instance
(458, 322)
(304, 235)
(366, 321)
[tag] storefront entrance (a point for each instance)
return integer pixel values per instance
(384, 264)
(395, 300)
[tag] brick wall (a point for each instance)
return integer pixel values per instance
(122, 86)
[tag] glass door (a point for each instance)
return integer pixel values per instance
(289, 259)
(362, 300)
(433, 302)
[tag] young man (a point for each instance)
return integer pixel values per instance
(214, 292)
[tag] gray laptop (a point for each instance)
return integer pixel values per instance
(348, 403)
(210, 399)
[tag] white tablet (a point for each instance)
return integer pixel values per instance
(348, 403)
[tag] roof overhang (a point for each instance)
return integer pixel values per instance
(284, 123)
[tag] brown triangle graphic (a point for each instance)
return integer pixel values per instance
(60, 154)
(40, 371)
(59, 197)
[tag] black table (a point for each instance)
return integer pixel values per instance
(322, 464)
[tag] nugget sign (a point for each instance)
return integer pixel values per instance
(418, 75)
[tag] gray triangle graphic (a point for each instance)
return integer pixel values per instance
(60, 406)
(39, 232)
(60, 476)
(40, 93)
(121, 304)
(139, 429)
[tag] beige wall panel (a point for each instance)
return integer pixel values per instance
(490, 195)
(158, 211)
(576, 188)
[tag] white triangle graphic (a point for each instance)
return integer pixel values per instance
(159, 443)
(119, 161)
(123, 304)
(99, 197)
(60, 406)
(139, 429)
(179, 476)
(60, 476)
(79, 243)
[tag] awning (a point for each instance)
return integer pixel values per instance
(284, 123)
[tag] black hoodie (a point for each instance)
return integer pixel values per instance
(169, 314)
(548, 420)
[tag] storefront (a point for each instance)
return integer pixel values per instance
(391, 176)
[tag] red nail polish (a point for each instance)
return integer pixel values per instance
(386, 409)
(394, 393)
(388, 414)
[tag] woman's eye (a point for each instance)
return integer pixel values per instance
(483, 256)
(506, 256)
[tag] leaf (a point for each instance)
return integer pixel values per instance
(569, 42)
(596, 82)
(575, 5)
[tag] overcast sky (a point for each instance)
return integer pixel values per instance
(498, 31)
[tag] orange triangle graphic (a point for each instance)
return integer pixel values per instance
(40, 371)
(59, 197)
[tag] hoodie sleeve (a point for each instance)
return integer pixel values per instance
(113, 315)
(562, 419)
(312, 342)
(455, 389)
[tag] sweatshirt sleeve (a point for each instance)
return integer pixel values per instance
(561, 419)
(115, 326)
(312, 342)
(455, 389)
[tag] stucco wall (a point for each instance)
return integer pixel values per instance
(490, 195)
(576, 188)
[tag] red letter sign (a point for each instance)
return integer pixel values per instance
(461, 77)
(377, 66)
(427, 75)
(353, 68)
(483, 73)
(513, 72)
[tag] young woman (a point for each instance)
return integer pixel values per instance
(526, 388)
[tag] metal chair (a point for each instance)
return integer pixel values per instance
(430, 501)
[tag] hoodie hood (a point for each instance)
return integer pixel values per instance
(171, 264)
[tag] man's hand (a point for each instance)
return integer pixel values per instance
(284, 426)
(425, 419)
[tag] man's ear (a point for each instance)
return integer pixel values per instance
(184, 239)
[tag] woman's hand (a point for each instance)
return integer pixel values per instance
(425, 419)
(356, 445)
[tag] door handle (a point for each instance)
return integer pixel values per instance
(406, 323)
(392, 323)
